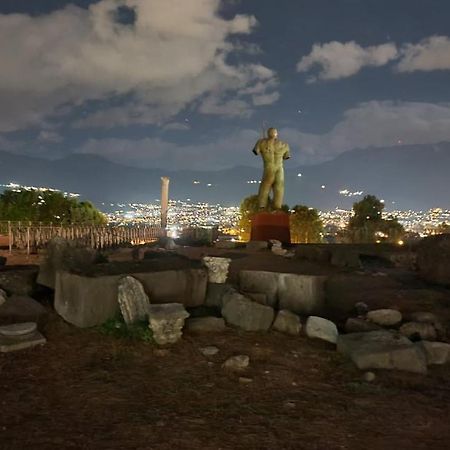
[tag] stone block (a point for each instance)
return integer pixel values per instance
(320, 328)
(205, 324)
(302, 294)
(357, 325)
(287, 322)
(382, 349)
(418, 330)
(89, 301)
(133, 301)
(215, 293)
(435, 352)
(20, 308)
(166, 322)
(18, 329)
(263, 282)
(241, 312)
(11, 344)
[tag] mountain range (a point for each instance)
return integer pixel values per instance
(407, 177)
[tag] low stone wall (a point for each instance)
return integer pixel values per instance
(89, 301)
(302, 294)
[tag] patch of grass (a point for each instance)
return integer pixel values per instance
(119, 329)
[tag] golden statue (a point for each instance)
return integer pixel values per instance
(273, 152)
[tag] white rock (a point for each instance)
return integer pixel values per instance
(237, 363)
(133, 300)
(210, 350)
(217, 268)
(166, 322)
(369, 377)
(385, 317)
(320, 328)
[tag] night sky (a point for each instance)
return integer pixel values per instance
(190, 83)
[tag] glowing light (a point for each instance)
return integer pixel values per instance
(400, 243)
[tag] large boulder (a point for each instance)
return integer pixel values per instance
(320, 328)
(241, 312)
(433, 259)
(435, 352)
(418, 330)
(64, 255)
(260, 281)
(89, 301)
(382, 349)
(287, 322)
(385, 317)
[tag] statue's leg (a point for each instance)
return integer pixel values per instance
(278, 189)
(265, 187)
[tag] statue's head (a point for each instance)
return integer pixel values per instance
(272, 133)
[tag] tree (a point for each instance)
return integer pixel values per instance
(368, 225)
(47, 207)
(306, 225)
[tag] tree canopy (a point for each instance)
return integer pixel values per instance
(47, 207)
(368, 225)
(306, 225)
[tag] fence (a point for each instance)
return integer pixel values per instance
(31, 236)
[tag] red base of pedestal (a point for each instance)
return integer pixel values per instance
(266, 226)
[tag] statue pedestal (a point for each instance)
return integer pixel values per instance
(266, 226)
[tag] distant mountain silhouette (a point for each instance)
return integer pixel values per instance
(413, 176)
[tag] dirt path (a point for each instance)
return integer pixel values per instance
(84, 390)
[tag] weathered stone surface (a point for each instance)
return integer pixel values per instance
(345, 258)
(64, 255)
(302, 294)
(313, 253)
(257, 297)
(435, 352)
(11, 344)
(18, 329)
(382, 349)
(217, 268)
(279, 251)
(433, 259)
(418, 330)
(209, 350)
(226, 244)
(215, 293)
(18, 309)
(385, 317)
(18, 280)
(89, 301)
(241, 312)
(166, 322)
(133, 301)
(287, 322)
(320, 328)
(423, 316)
(369, 377)
(3, 297)
(237, 363)
(357, 325)
(257, 245)
(205, 324)
(260, 281)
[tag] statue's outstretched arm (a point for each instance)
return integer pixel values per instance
(256, 150)
(287, 153)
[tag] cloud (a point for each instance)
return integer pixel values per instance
(228, 151)
(49, 137)
(171, 55)
(432, 53)
(337, 60)
(373, 124)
